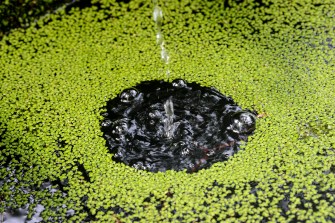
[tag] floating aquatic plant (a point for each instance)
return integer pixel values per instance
(275, 57)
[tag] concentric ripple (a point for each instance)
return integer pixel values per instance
(159, 126)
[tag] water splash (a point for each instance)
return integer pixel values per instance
(169, 126)
(174, 126)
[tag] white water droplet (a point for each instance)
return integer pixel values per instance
(159, 38)
(158, 14)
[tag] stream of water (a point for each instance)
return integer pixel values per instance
(174, 126)
(169, 126)
(158, 19)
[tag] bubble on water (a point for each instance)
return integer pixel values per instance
(179, 83)
(243, 122)
(119, 127)
(128, 95)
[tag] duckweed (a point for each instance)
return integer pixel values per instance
(276, 57)
(17, 13)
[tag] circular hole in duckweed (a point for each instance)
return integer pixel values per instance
(159, 126)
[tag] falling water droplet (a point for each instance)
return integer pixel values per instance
(158, 15)
(159, 38)
(158, 19)
(164, 54)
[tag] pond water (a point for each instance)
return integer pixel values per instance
(275, 57)
(159, 126)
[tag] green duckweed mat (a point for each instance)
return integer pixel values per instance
(20, 13)
(276, 57)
